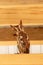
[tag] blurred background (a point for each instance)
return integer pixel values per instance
(31, 13)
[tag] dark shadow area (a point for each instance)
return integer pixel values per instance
(35, 33)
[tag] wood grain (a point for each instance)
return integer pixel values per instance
(28, 13)
(32, 42)
(11, 2)
(22, 59)
(34, 33)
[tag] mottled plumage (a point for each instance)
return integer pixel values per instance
(23, 43)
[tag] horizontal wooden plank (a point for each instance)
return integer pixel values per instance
(22, 59)
(33, 42)
(11, 2)
(28, 13)
(35, 32)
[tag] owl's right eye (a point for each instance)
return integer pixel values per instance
(21, 39)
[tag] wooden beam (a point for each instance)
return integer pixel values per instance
(40, 42)
(11, 2)
(35, 32)
(21, 59)
(30, 14)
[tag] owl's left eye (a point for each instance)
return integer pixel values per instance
(23, 43)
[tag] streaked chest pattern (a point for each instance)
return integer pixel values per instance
(22, 39)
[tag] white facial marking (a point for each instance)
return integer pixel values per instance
(21, 37)
(21, 41)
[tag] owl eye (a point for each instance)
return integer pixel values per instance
(21, 39)
(23, 43)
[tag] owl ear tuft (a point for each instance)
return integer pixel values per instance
(20, 25)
